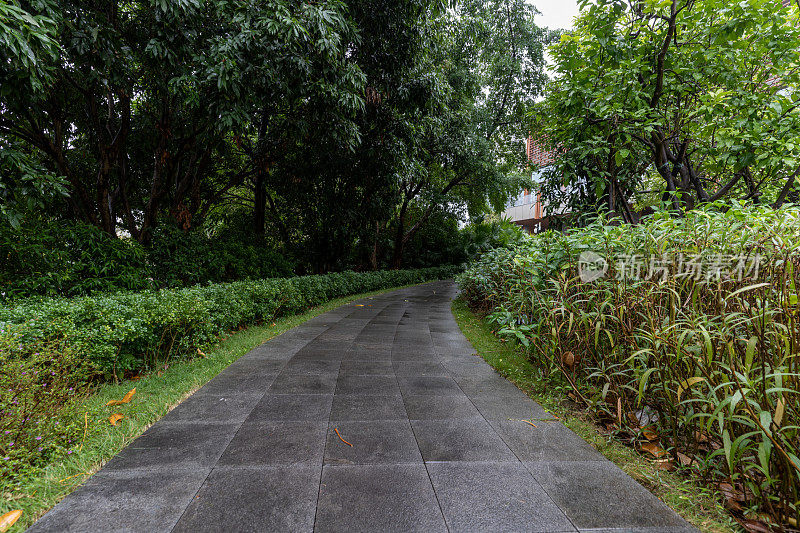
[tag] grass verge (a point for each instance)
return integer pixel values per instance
(156, 394)
(698, 504)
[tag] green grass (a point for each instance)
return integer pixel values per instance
(698, 504)
(156, 394)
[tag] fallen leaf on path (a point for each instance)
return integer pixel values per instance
(9, 519)
(340, 437)
(116, 417)
(529, 422)
(126, 399)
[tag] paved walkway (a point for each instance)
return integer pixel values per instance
(438, 443)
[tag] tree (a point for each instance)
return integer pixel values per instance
(27, 49)
(147, 99)
(482, 78)
(701, 96)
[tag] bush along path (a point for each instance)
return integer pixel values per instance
(376, 416)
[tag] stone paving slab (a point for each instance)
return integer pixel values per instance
(435, 441)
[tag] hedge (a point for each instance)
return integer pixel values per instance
(130, 331)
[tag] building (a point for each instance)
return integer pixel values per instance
(526, 210)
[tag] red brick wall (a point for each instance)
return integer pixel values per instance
(537, 154)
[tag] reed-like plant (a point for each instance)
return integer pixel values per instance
(706, 367)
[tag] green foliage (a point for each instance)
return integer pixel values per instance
(126, 332)
(25, 186)
(486, 235)
(708, 363)
(38, 381)
(68, 260)
(27, 45)
(150, 108)
(76, 259)
(179, 259)
(686, 101)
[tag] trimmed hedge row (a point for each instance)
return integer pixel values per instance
(125, 332)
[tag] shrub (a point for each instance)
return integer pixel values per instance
(76, 259)
(709, 365)
(126, 332)
(180, 259)
(38, 384)
(68, 260)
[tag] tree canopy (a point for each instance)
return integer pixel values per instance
(334, 131)
(678, 101)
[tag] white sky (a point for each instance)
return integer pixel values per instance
(555, 13)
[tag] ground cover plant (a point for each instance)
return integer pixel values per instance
(686, 346)
(77, 437)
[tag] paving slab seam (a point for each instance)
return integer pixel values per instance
(324, 451)
(425, 464)
(205, 479)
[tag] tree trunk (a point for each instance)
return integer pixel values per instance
(260, 207)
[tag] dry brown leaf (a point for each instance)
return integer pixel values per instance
(568, 360)
(201, 353)
(688, 383)
(730, 492)
(9, 519)
(779, 409)
(665, 464)
(572, 396)
(754, 526)
(654, 449)
(619, 410)
(684, 459)
(649, 433)
(116, 417)
(126, 399)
